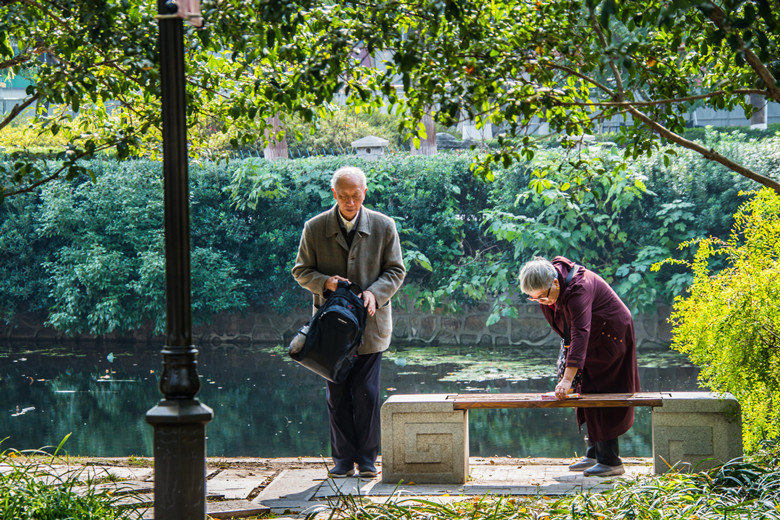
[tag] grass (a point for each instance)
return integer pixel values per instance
(37, 485)
(33, 486)
(740, 489)
(140, 462)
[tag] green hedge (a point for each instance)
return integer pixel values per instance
(90, 255)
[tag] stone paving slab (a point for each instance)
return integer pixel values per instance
(135, 474)
(238, 484)
(235, 509)
(498, 479)
(291, 488)
(127, 487)
(61, 472)
(334, 487)
(224, 510)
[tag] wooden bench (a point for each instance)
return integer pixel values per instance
(474, 401)
(425, 436)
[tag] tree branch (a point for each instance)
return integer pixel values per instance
(672, 137)
(17, 109)
(718, 17)
(619, 96)
(63, 23)
(668, 101)
(16, 60)
(707, 153)
(56, 174)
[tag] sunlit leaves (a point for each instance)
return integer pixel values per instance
(571, 64)
(728, 323)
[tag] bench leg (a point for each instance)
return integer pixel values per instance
(424, 440)
(695, 431)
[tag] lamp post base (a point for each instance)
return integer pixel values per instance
(179, 458)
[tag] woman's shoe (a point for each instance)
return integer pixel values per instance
(602, 470)
(585, 463)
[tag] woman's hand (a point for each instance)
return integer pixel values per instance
(563, 388)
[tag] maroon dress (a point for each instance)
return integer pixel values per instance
(602, 346)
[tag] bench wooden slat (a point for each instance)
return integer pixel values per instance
(472, 401)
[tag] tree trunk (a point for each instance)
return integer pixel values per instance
(275, 149)
(427, 145)
(759, 118)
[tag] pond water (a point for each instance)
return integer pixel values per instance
(265, 405)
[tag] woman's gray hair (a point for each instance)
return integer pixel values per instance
(348, 170)
(537, 274)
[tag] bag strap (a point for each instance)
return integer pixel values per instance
(566, 331)
(570, 276)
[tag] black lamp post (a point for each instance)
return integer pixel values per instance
(179, 420)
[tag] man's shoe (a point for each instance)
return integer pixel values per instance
(341, 471)
(367, 471)
(602, 470)
(585, 463)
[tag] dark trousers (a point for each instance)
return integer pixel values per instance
(353, 412)
(605, 452)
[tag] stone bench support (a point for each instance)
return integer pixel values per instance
(425, 439)
(695, 431)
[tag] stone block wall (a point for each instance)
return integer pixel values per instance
(411, 327)
(529, 328)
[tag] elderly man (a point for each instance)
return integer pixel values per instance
(352, 243)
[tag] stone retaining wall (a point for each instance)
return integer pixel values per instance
(529, 328)
(411, 327)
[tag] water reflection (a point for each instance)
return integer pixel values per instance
(267, 406)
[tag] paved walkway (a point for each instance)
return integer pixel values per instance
(295, 487)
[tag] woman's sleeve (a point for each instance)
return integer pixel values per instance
(579, 310)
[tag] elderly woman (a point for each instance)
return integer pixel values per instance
(598, 352)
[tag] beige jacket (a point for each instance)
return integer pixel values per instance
(374, 262)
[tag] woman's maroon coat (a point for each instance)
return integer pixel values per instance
(602, 345)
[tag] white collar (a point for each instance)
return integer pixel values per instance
(349, 224)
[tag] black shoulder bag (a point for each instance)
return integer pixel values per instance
(328, 344)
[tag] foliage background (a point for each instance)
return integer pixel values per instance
(89, 256)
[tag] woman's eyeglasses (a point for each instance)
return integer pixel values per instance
(540, 298)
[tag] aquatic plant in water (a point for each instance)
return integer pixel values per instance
(479, 363)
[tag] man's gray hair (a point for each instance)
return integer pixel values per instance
(537, 274)
(348, 170)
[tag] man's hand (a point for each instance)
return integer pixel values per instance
(332, 283)
(369, 301)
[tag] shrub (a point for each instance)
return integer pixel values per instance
(20, 137)
(99, 254)
(729, 323)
